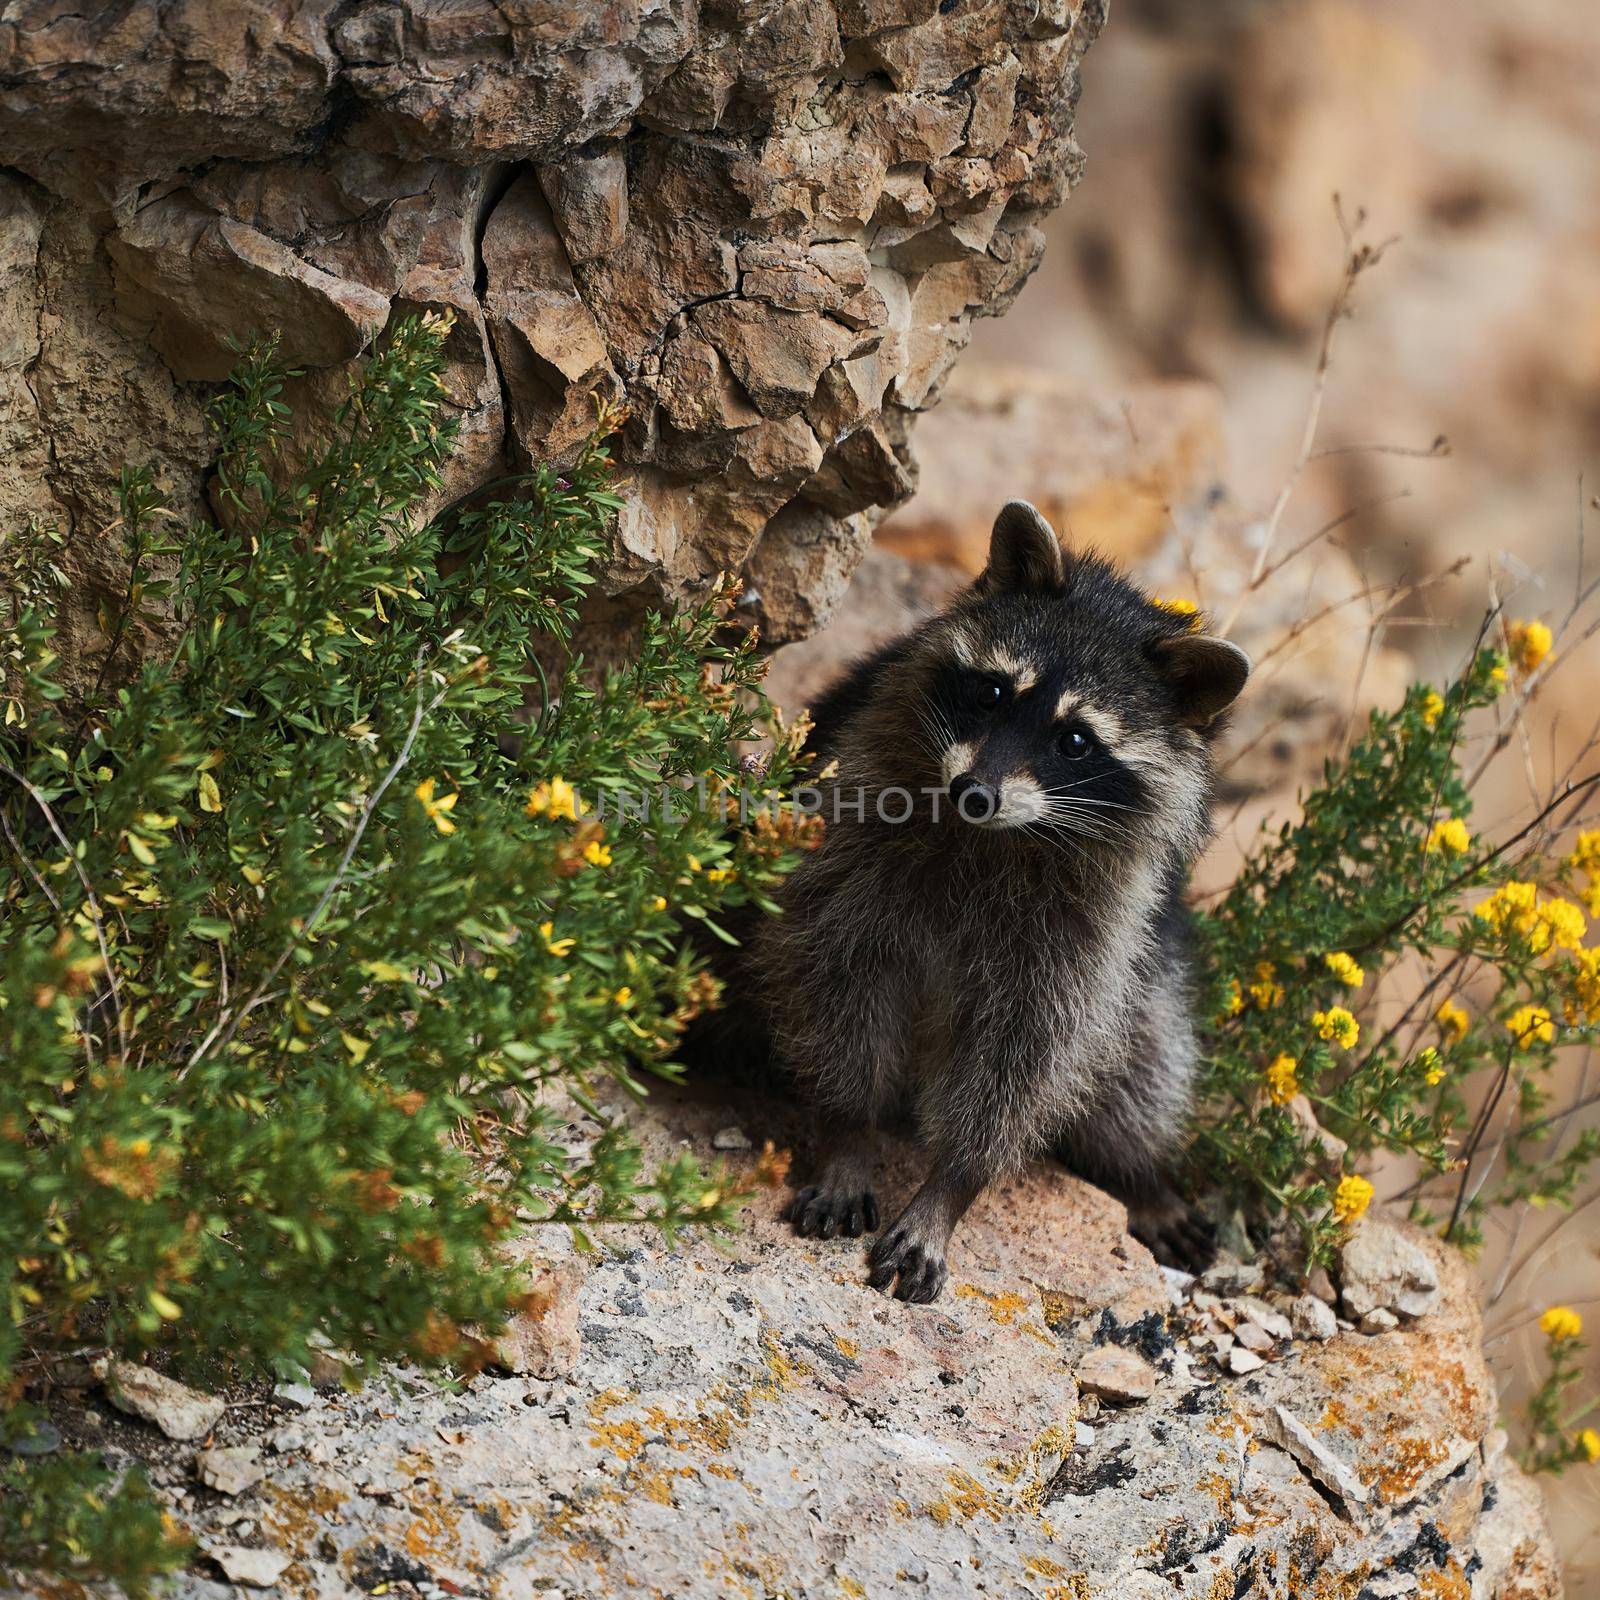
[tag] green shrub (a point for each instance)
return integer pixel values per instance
(1383, 872)
(70, 1515)
(299, 929)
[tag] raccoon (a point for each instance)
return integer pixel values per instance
(992, 929)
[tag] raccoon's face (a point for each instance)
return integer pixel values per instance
(1060, 700)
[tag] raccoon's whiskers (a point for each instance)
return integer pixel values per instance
(1070, 815)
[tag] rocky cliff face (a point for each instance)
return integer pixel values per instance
(764, 225)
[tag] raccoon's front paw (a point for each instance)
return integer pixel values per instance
(1174, 1232)
(819, 1213)
(921, 1273)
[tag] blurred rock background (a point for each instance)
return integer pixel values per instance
(1149, 391)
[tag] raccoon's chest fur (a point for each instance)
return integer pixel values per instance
(991, 938)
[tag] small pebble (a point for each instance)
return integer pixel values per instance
(231, 1470)
(1266, 1317)
(255, 1569)
(1117, 1376)
(1379, 1320)
(1232, 1277)
(1241, 1361)
(294, 1396)
(730, 1139)
(1312, 1318)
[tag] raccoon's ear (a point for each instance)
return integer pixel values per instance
(1205, 674)
(1024, 552)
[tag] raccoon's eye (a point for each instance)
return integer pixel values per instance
(988, 694)
(1076, 743)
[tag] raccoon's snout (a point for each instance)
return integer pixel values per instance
(976, 802)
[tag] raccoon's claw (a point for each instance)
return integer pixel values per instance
(826, 1214)
(922, 1275)
(1175, 1234)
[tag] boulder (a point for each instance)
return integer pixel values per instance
(746, 1413)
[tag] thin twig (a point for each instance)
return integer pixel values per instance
(88, 895)
(226, 1026)
(1358, 259)
(1433, 452)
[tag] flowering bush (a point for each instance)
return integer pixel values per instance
(1476, 947)
(299, 929)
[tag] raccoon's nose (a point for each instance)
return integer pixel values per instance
(976, 802)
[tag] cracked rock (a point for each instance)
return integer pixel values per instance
(825, 194)
(1286, 1431)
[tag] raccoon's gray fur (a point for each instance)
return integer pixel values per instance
(1011, 957)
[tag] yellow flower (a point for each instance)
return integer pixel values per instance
(623, 997)
(1449, 834)
(659, 903)
(1511, 907)
(1531, 1022)
(1346, 970)
(597, 854)
(1180, 608)
(1351, 1198)
(1497, 676)
(1282, 1085)
(1266, 991)
(1584, 1004)
(555, 798)
(1432, 708)
(1559, 925)
(1561, 1322)
(1453, 1021)
(1431, 1066)
(1337, 1026)
(1585, 855)
(437, 809)
(719, 874)
(1589, 1443)
(1529, 644)
(556, 947)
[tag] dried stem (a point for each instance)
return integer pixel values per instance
(1358, 259)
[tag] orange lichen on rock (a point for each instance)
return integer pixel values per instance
(1005, 1305)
